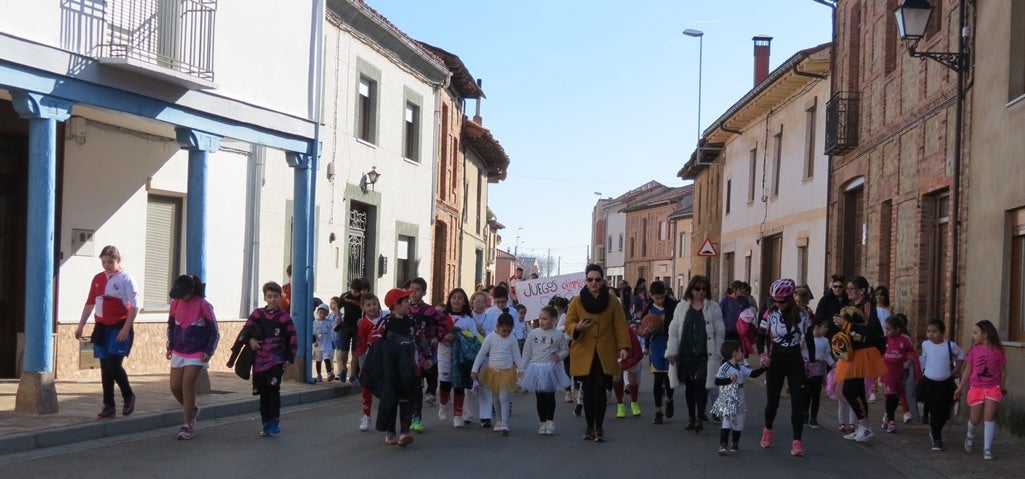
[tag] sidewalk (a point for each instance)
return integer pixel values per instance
(155, 408)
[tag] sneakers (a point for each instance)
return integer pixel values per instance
(599, 435)
(430, 400)
(620, 410)
(578, 409)
(330, 377)
(502, 427)
(185, 433)
(271, 428)
(937, 445)
(987, 455)
(969, 441)
(842, 428)
(863, 434)
(635, 409)
(442, 413)
(108, 412)
(195, 415)
(129, 405)
(588, 434)
(723, 450)
(405, 440)
(907, 418)
(734, 448)
(813, 423)
(690, 425)
(391, 440)
(703, 419)
(551, 428)
(658, 418)
(872, 398)
(891, 427)
(498, 426)
(364, 423)
(417, 425)
(485, 423)
(457, 422)
(796, 448)
(568, 397)
(670, 409)
(542, 429)
(766, 441)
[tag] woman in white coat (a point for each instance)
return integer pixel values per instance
(695, 338)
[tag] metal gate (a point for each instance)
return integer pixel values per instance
(357, 262)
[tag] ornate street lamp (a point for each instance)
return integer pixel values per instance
(912, 21)
(369, 179)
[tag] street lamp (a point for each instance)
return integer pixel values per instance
(700, 35)
(516, 250)
(912, 20)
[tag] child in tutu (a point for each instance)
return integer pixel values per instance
(731, 404)
(544, 350)
(500, 358)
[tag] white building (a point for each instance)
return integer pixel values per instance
(775, 176)
(165, 128)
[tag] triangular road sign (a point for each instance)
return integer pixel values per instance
(708, 249)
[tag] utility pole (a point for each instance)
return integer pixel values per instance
(560, 266)
(548, 264)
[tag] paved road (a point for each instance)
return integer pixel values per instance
(322, 441)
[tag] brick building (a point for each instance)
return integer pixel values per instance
(890, 124)
(707, 213)
(650, 235)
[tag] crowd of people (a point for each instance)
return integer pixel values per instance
(471, 354)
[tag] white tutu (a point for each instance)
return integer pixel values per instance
(545, 377)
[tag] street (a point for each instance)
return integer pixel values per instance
(322, 440)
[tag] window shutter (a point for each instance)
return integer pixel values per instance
(161, 250)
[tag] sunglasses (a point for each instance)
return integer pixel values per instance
(592, 280)
(837, 286)
(780, 301)
(698, 288)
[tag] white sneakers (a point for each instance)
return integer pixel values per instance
(907, 418)
(364, 423)
(457, 422)
(430, 400)
(442, 413)
(546, 428)
(862, 434)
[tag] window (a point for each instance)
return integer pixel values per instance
(802, 264)
(752, 172)
(366, 110)
(728, 273)
(644, 237)
(890, 36)
(747, 268)
(480, 199)
(610, 244)
(631, 247)
(620, 242)
(729, 194)
(663, 230)
(163, 249)
(809, 140)
(682, 245)
(1016, 77)
(1016, 308)
(937, 211)
(411, 136)
(405, 264)
(777, 160)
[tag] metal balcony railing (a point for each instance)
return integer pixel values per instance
(842, 118)
(174, 34)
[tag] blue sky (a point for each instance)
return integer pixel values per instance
(600, 95)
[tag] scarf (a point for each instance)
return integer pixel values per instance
(594, 305)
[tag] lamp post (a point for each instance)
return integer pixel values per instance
(516, 250)
(912, 20)
(700, 35)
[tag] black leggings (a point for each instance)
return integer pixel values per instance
(696, 395)
(268, 385)
(112, 371)
(594, 387)
(938, 397)
(793, 372)
(431, 377)
(814, 386)
(327, 363)
(854, 393)
(660, 384)
(545, 406)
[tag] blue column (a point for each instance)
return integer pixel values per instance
(43, 113)
(302, 296)
(200, 145)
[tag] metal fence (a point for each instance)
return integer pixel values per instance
(175, 34)
(842, 118)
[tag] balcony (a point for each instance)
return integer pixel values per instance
(842, 116)
(171, 40)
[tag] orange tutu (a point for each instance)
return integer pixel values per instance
(863, 363)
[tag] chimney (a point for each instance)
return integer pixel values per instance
(761, 57)
(476, 117)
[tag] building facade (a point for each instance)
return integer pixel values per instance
(683, 221)
(650, 235)
(775, 176)
(117, 134)
(889, 133)
(706, 173)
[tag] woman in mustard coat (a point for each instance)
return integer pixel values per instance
(597, 326)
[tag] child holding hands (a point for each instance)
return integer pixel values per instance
(544, 350)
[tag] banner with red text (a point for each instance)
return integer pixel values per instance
(535, 293)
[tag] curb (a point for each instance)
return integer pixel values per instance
(62, 436)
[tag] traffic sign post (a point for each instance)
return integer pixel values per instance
(708, 249)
